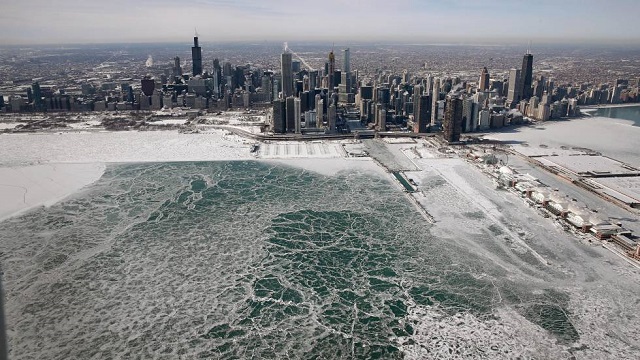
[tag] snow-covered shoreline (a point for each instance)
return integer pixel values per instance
(62, 156)
(39, 169)
(42, 168)
(23, 188)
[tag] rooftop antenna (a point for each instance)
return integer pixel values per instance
(529, 48)
(196, 31)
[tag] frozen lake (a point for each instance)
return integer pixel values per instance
(232, 257)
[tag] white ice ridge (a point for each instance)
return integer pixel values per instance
(508, 335)
(26, 187)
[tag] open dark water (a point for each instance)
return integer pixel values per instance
(250, 260)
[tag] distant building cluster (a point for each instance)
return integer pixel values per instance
(224, 87)
(333, 99)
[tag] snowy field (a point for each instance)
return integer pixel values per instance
(25, 187)
(10, 125)
(628, 186)
(615, 138)
(169, 122)
(126, 146)
(586, 163)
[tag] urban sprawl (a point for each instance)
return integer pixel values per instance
(303, 101)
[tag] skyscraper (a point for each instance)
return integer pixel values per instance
(417, 91)
(38, 104)
(526, 75)
(148, 85)
(514, 94)
(287, 74)
(467, 115)
(196, 57)
(484, 79)
(279, 116)
(346, 70)
(421, 113)
(319, 111)
(177, 69)
(346, 61)
(297, 113)
(452, 124)
(290, 115)
(435, 97)
(331, 118)
(313, 79)
(331, 72)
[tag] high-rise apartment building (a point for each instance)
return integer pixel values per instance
(452, 124)
(421, 113)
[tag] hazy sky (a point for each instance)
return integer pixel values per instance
(476, 21)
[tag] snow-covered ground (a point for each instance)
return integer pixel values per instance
(126, 146)
(614, 138)
(90, 124)
(169, 122)
(26, 187)
(10, 125)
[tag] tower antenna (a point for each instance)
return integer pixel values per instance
(196, 31)
(529, 48)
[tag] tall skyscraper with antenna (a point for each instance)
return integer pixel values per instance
(196, 57)
(526, 75)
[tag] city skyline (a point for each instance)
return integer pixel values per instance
(495, 21)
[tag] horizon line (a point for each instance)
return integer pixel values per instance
(469, 42)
